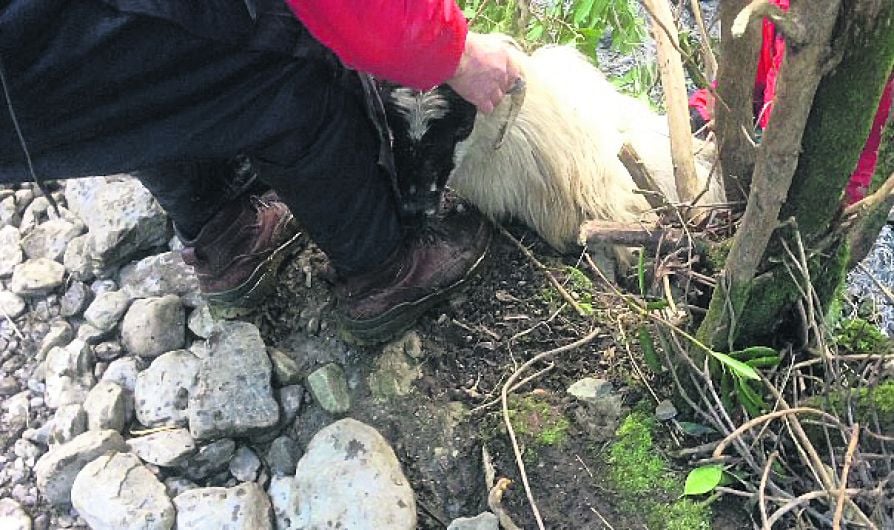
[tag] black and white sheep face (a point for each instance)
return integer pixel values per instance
(428, 129)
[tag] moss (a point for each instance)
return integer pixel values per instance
(537, 421)
(718, 253)
(647, 485)
(635, 466)
(859, 336)
(684, 514)
(868, 402)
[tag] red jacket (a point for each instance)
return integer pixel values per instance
(417, 43)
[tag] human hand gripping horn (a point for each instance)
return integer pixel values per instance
(516, 98)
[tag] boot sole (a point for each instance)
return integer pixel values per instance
(243, 299)
(401, 317)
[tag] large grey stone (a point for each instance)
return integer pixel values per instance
(48, 240)
(77, 259)
(11, 304)
(350, 478)
(329, 388)
(482, 521)
(158, 275)
(162, 391)
(57, 469)
(12, 516)
(107, 309)
(244, 507)
(12, 251)
(68, 422)
(121, 215)
(165, 448)
(123, 372)
(105, 407)
(233, 396)
(153, 326)
(210, 459)
(115, 491)
(36, 276)
(69, 374)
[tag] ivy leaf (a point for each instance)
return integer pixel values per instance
(703, 479)
(753, 353)
(763, 362)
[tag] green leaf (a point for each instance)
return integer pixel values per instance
(695, 429)
(753, 352)
(763, 362)
(703, 479)
(656, 305)
(648, 346)
(582, 11)
(737, 367)
(535, 32)
(750, 399)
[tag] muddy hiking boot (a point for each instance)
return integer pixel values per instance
(239, 251)
(376, 306)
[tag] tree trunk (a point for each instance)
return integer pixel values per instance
(734, 110)
(836, 130)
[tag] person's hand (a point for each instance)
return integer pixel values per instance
(486, 71)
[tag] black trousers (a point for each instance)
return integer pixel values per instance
(173, 91)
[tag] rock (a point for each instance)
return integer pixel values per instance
(483, 521)
(285, 369)
(115, 491)
(8, 386)
(153, 326)
(244, 507)
(121, 215)
(665, 410)
(290, 398)
(75, 300)
(102, 286)
(210, 459)
(77, 259)
(107, 309)
(18, 410)
(233, 396)
(162, 391)
(91, 334)
(12, 516)
(105, 407)
(48, 240)
(60, 333)
(57, 469)
(245, 464)
(69, 422)
(108, 351)
(159, 275)
(36, 276)
(280, 493)
(177, 485)
(122, 372)
(396, 369)
(165, 448)
(283, 456)
(329, 388)
(12, 251)
(69, 374)
(200, 322)
(9, 214)
(350, 478)
(11, 304)
(591, 390)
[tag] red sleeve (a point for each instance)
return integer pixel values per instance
(417, 43)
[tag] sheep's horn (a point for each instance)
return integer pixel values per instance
(516, 99)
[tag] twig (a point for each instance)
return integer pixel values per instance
(505, 400)
(565, 294)
(762, 489)
(707, 53)
(842, 483)
(601, 518)
(798, 501)
(12, 324)
(515, 387)
(754, 422)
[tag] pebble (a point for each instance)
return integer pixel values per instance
(245, 464)
(329, 388)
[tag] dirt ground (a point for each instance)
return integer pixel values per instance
(470, 346)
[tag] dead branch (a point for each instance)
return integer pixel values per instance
(865, 218)
(670, 67)
(707, 53)
(842, 482)
(794, 31)
(776, 163)
(494, 502)
(643, 179)
(595, 232)
(762, 489)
